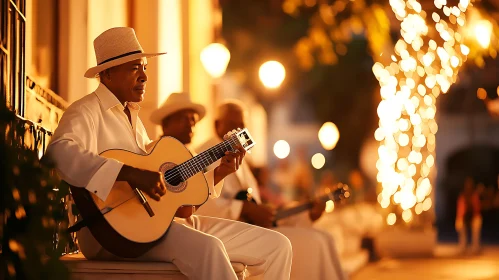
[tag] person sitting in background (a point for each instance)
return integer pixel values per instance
(469, 215)
(268, 195)
(314, 251)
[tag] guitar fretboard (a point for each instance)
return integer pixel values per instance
(184, 171)
(335, 196)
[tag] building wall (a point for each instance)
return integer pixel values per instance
(180, 28)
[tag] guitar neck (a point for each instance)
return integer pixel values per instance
(293, 211)
(199, 163)
(206, 158)
(297, 209)
(334, 196)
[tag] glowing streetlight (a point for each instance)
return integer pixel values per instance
(329, 135)
(318, 161)
(215, 58)
(281, 149)
(271, 74)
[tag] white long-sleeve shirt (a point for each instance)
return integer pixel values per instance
(226, 206)
(92, 125)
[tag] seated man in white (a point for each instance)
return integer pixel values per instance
(314, 252)
(201, 247)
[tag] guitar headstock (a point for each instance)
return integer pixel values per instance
(241, 136)
(341, 192)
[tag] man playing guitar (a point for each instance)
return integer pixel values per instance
(201, 247)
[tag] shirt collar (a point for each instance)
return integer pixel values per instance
(109, 100)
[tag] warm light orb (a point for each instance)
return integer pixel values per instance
(481, 93)
(407, 215)
(281, 149)
(329, 206)
(271, 74)
(318, 161)
(483, 33)
(329, 135)
(215, 58)
(391, 219)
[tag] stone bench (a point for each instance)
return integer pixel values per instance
(83, 269)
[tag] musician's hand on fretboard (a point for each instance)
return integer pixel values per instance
(258, 215)
(318, 207)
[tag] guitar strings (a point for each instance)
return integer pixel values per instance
(189, 168)
(195, 161)
(181, 169)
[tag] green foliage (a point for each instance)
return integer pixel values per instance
(31, 211)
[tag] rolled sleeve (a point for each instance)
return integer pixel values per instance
(103, 180)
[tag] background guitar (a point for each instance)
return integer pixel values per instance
(339, 193)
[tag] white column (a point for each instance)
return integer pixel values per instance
(158, 28)
(102, 15)
(201, 33)
(72, 49)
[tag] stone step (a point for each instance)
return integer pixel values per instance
(83, 269)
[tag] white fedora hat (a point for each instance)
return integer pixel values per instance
(114, 47)
(175, 103)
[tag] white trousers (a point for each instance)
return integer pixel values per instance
(203, 247)
(315, 256)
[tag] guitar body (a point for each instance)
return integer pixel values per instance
(127, 230)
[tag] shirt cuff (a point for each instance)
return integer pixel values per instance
(235, 209)
(103, 180)
(215, 190)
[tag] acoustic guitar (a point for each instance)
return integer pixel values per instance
(127, 224)
(340, 193)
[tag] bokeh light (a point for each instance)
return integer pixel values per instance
(318, 161)
(215, 58)
(329, 206)
(329, 135)
(420, 69)
(391, 219)
(272, 74)
(281, 149)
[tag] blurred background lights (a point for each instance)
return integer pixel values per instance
(329, 206)
(329, 135)
(318, 161)
(391, 219)
(215, 58)
(281, 149)
(272, 74)
(483, 32)
(410, 83)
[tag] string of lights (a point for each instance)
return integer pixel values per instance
(425, 63)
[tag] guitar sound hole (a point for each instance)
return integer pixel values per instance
(172, 177)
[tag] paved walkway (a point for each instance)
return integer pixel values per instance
(446, 265)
